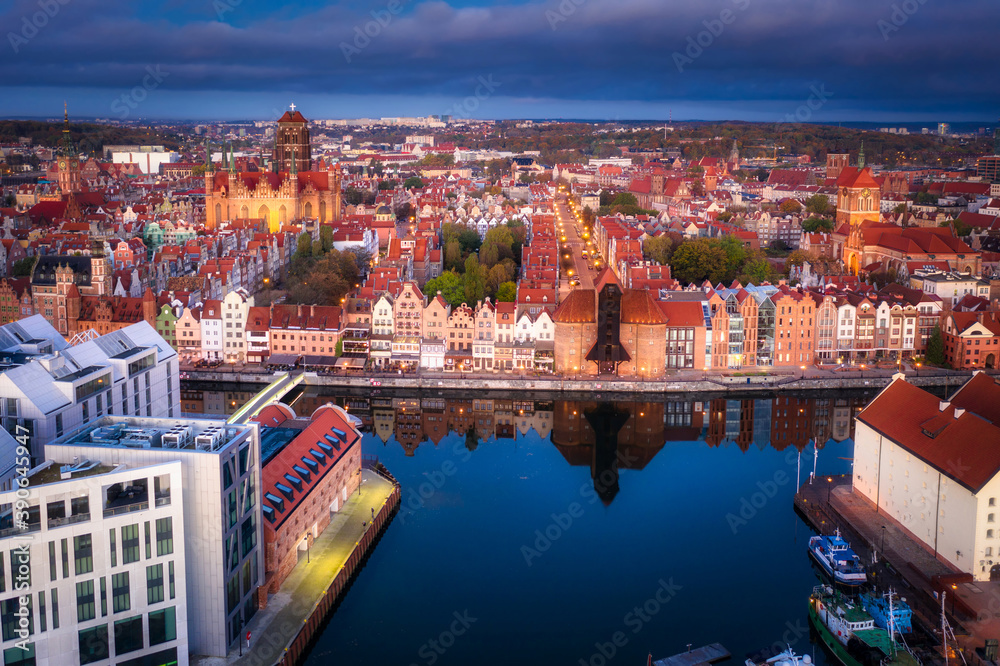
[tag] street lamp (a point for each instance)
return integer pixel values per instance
(829, 488)
(883, 541)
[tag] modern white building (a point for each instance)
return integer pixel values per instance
(222, 531)
(48, 388)
(106, 561)
(932, 465)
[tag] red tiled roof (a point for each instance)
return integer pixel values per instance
(960, 445)
(578, 308)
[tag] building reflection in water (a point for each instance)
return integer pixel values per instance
(605, 436)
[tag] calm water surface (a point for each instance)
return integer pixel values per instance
(550, 526)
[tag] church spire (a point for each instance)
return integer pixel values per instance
(232, 158)
(208, 156)
(67, 143)
(861, 156)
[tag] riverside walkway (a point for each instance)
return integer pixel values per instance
(301, 604)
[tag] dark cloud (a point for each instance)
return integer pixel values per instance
(905, 56)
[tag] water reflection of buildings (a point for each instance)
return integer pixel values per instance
(583, 431)
(782, 421)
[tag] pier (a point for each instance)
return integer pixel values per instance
(708, 654)
(898, 560)
(282, 632)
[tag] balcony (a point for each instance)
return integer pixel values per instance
(69, 520)
(126, 508)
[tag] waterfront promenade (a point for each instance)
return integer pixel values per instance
(902, 562)
(300, 602)
(680, 382)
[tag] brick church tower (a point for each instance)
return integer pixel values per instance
(292, 142)
(69, 162)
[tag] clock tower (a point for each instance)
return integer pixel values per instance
(859, 199)
(69, 161)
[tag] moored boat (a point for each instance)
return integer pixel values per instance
(849, 632)
(888, 609)
(835, 557)
(785, 658)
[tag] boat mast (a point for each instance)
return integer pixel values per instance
(944, 628)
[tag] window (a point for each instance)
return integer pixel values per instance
(8, 608)
(93, 644)
(164, 536)
(55, 609)
(154, 583)
(120, 597)
(114, 548)
(149, 548)
(16, 656)
(86, 609)
(128, 635)
(20, 555)
(83, 553)
(162, 626)
(170, 569)
(130, 543)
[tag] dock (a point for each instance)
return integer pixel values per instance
(707, 654)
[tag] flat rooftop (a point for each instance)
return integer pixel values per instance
(205, 435)
(53, 472)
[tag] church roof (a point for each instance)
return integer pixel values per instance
(292, 117)
(852, 177)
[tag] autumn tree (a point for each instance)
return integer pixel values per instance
(507, 293)
(699, 260)
(475, 280)
(790, 206)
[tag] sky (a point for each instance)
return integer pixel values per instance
(758, 60)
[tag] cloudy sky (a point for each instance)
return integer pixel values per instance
(824, 60)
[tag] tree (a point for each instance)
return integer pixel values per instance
(779, 246)
(198, 170)
(756, 270)
(525, 178)
(303, 247)
(817, 224)
(724, 216)
(761, 175)
(22, 267)
(499, 274)
(935, 347)
(437, 160)
(658, 248)
(413, 182)
(507, 293)
(625, 199)
(326, 237)
(475, 280)
(387, 185)
(790, 206)
(699, 260)
(900, 209)
(451, 286)
(452, 255)
(405, 212)
(497, 245)
(376, 167)
(818, 204)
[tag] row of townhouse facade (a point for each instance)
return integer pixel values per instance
(770, 326)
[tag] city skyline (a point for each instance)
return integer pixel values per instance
(754, 60)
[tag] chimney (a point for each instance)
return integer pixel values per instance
(959, 412)
(943, 405)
